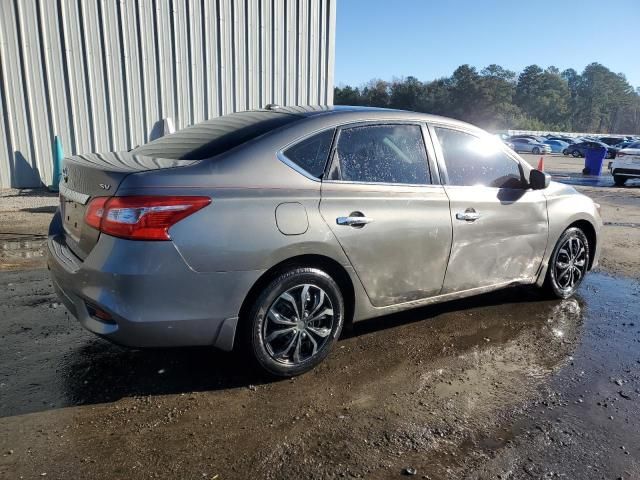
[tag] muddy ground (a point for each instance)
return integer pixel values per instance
(506, 385)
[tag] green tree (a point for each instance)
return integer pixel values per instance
(376, 93)
(598, 100)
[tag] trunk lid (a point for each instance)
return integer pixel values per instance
(97, 175)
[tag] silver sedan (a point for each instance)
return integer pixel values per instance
(269, 230)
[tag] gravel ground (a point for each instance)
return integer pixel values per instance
(505, 385)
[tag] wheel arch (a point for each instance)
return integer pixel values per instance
(590, 232)
(324, 263)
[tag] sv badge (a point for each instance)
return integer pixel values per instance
(104, 186)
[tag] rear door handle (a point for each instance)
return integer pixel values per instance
(354, 221)
(469, 215)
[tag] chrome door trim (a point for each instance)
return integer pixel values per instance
(284, 159)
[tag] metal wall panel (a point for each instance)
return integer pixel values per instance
(101, 74)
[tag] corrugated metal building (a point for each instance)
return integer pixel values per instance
(102, 74)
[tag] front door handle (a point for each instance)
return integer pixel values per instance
(469, 215)
(355, 219)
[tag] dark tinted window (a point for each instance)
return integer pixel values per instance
(383, 154)
(474, 161)
(311, 154)
(215, 136)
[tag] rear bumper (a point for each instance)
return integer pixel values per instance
(153, 297)
(627, 169)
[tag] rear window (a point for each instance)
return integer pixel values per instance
(215, 136)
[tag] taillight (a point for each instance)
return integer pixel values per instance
(620, 154)
(94, 212)
(142, 217)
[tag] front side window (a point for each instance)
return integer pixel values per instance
(311, 154)
(472, 161)
(382, 154)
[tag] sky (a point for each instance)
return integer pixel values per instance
(431, 38)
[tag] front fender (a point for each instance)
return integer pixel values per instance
(566, 207)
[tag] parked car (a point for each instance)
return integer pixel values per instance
(270, 230)
(530, 137)
(557, 146)
(509, 144)
(610, 140)
(624, 144)
(579, 149)
(530, 146)
(626, 164)
(564, 139)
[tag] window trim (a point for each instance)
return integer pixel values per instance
(433, 180)
(443, 167)
(280, 155)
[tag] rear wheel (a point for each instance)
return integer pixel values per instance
(576, 153)
(565, 152)
(535, 151)
(619, 180)
(568, 264)
(295, 321)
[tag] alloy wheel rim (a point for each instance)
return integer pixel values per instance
(571, 263)
(298, 324)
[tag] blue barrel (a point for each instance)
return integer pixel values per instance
(593, 160)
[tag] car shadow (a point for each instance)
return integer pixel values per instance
(99, 372)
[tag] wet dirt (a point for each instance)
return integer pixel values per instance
(505, 384)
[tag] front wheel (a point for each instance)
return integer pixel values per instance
(568, 264)
(565, 152)
(576, 153)
(295, 321)
(535, 151)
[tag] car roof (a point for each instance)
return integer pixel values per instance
(352, 113)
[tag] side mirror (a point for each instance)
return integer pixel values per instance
(539, 180)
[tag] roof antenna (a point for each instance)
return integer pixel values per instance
(272, 106)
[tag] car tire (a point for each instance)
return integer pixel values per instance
(576, 153)
(304, 342)
(619, 180)
(535, 151)
(565, 152)
(568, 264)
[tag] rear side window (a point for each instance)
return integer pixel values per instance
(473, 161)
(311, 154)
(215, 136)
(382, 154)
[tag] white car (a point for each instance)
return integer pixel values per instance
(626, 164)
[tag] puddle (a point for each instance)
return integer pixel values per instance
(604, 180)
(446, 389)
(16, 247)
(623, 224)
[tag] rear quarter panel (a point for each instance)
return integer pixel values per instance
(238, 230)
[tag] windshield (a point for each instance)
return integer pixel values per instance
(215, 136)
